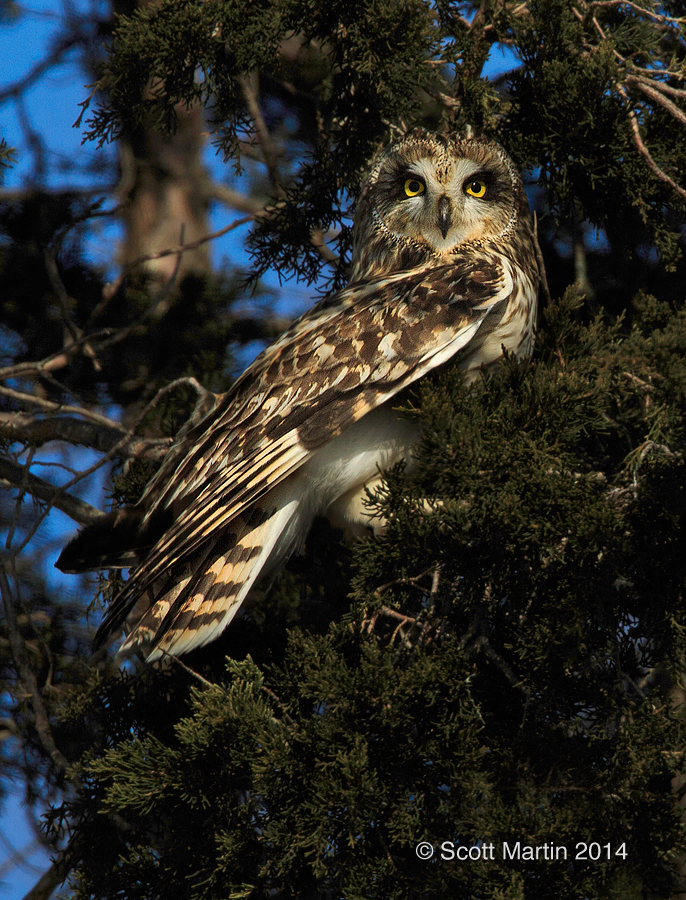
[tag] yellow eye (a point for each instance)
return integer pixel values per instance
(476, 188)
(414, 187)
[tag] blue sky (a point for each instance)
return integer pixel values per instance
(49, 108)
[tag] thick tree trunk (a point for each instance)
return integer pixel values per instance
(163, 178)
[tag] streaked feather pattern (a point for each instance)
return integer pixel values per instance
(309, 421)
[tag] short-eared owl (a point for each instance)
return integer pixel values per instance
(443, 269)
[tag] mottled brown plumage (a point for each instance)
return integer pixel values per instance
(443, 268)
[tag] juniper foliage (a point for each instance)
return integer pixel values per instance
(503, 672)
(505, 664)
(586, 78)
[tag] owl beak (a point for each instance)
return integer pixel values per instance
(444, 215)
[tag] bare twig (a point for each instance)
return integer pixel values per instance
(179, 662)
(655, 84)
(450, 103)
(541, 264)
(645, 153)
(665, 73)
(402, 620)
(396, 614)
(57, 360)
(435, 581)
(27, 677)
(483, 645)
(235, 199)
(644, 384)
(317, 239)
(401, 582)
(248, 85)
(641, 10)
(16, 475)
(200, 678)
(648, 83)
(63, 298)
(650, 87)
(658, 97)
(25, 428)
(270, 693)
(37, 72)
(647, 446)
(419, 622)
(16, 195)
(64, 301)
(59, 493)
(641, 147)
(110, 289)
(50, 406)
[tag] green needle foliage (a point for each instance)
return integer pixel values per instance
(504, 672)
(584, 80)
(504, 666)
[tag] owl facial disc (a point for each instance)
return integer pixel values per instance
(430, 196)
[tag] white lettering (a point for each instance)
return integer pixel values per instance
(529, 852)
(514, 853)
(447, 850)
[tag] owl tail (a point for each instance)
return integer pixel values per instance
(115, 541)
(195, 606)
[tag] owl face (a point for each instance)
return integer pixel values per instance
(429, 196)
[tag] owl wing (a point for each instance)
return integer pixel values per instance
(339, 361)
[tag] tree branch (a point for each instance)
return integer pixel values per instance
(641, 10)
(57, 360)
(641, 147)
(656, 85)
(25, 428)
(541, 264)
(50, 406)
(645, 153)
(16, 475)
(658, 97)
(57, 495)
(37, 72)
(110, 289)
(27, 677)
(49, 881)
(241, 202)
(248, 85)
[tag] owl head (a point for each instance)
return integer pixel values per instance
(430, 196)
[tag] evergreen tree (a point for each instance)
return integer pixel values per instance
(500, 675)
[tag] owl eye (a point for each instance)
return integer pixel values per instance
(476, 188)
(414, 187)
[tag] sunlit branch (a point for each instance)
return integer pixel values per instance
(50, 406)
(650, 91)
(643, 150)
(660, 18)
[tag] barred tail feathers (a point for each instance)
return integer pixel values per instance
(199, 606)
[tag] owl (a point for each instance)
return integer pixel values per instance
(443, 268)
